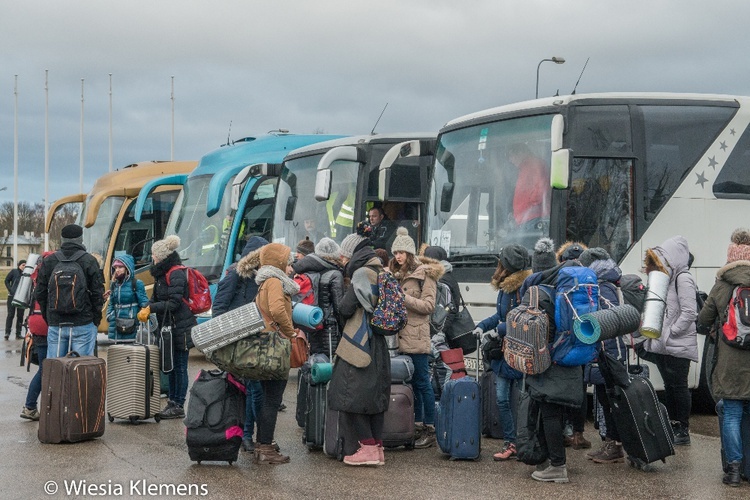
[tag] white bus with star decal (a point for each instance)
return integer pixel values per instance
(626, 172)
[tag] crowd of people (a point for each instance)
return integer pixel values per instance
(360, 381)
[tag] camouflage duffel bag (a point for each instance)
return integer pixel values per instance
(262, 356)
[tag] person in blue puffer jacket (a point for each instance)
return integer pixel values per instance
(127, 296)
(608, 275)
(513, 268)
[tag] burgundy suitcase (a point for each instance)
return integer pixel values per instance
(72, 399)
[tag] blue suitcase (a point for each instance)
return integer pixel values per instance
(458, 419)
(745, 430)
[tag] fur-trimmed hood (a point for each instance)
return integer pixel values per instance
(426, 268)
(248, 265)
(734, 276)
(570, 250)
(671, 257)
(513, 282)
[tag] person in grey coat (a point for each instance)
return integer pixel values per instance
(677, 346)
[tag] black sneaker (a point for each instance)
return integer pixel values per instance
(681, 434)
(175, 411)
(282, 407)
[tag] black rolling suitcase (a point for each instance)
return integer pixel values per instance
(340, 439)
(642, 421)
(491, 426)
(215, 417)
(304, 385)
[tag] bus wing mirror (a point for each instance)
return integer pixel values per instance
(446, 197)
(323, 180)
(557, 130)
(291, 204)
(559, 177)
(406, 149)
(254, 170)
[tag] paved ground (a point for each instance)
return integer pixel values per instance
(128, 457)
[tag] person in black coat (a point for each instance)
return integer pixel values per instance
(11, 283)
(170, 288)
(236, 289)
(326, 264)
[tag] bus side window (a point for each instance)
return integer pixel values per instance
(600, 205)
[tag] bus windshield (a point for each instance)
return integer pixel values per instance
(298, 215)
(491, 187)
(201, 243)
(96, 238)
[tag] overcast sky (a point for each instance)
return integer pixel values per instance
(327, 65)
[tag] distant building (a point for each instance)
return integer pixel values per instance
(28, 243)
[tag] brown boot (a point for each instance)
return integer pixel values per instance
(266, 454)
(580, 442)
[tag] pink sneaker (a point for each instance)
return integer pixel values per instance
(365, 455)
(381, 455)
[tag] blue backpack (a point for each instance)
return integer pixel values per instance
(577, 293)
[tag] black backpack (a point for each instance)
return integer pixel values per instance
(67, 290)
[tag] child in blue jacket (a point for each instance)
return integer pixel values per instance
(127, 296)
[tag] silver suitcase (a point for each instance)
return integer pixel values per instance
(133, 381)
(228, 328)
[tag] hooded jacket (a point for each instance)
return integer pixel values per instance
(678, 335)
(92, 312)
(361, 389)
(330, 292)
(420, 290)
(166, 300)
(731, 374)
(508, 297)
(127, 298)
(238, 287)
(276, 289)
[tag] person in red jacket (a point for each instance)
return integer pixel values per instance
(531, 199)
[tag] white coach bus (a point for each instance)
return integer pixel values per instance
(626, 172)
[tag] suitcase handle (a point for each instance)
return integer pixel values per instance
(647, 425)
(73, 354)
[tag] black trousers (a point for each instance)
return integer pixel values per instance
(18, 313)
(677, 398)
(366, 426)
(609, 421)
(551, 432)
(273, 391)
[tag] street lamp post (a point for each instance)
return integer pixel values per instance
(556, 60)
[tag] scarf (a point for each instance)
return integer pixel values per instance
(288, 284)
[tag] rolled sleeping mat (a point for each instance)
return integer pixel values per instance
(305, 315)
(320, 373)
(22, 297)
(609, 323)
(587, 329)
(654, 305)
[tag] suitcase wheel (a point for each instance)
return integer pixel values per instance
(134, 420)
(199, 462)
(230, 462)
(410, 446)
(639, 464)
(157, 417)
(111, 418)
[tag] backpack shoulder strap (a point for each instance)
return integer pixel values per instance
(77, 255)
(174, 268)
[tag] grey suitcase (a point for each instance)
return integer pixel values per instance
(133, 387)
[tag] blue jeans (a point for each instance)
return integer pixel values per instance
(734, 409)
(503, 386)
(424, 396)
(178, 377)
(35, 387)
(253, 405)
(58, 337)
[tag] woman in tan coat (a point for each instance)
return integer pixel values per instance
(418, 278)
(275, 302)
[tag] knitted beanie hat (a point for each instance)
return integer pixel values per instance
(72, 233)
(403, 242)
(163, 248)
(591, 254)
(327, 248)
(349, 244)
(514, 257)
(544, 256)
(739, 249)
(306, 247)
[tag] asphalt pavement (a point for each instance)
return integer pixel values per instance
(150, 460)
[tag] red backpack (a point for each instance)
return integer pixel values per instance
(199, 294)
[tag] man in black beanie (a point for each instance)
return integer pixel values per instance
(71, 307)
(11, 283)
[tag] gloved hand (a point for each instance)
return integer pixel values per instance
(492, 334)
(478, 332)
(143, 314)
